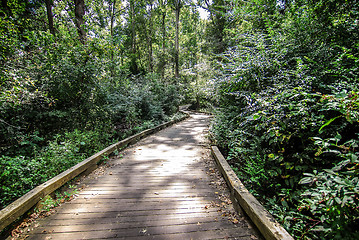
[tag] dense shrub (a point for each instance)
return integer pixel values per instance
(20, 174)
(277, 138)
(288, 118)
(66, 87)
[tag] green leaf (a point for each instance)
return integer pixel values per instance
(328, 122)
(256, 116)
(306, 180)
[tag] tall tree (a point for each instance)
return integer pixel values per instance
(217, 27)
(112, 8)
(132, 16)
(150, 36)
(163, 13)
(50, 16)
(79, 19)
(177, 5)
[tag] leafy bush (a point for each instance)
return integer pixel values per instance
(20, 174)
(277, 138)
(32, 156)
(332, 200)
(288, 105)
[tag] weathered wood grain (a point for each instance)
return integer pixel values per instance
(24, 203)
(160, 189)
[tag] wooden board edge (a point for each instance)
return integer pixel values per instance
(20, 206)
(264, 221)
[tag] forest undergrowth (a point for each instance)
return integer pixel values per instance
(288, 113)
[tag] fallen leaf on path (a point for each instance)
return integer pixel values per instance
(234, 220)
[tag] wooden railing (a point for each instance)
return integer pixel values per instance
(16, 209)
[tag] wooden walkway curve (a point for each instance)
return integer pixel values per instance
(163, 187)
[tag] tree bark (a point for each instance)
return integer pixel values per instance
(133, 33)
(162, 57)
(79, 19)
(149, 38)
(133, 67)
(50, 16)
(113, 18)
(163, 43)
(177, 11)
(163, 31)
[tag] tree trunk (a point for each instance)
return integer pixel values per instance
(79, 19)
(163, 44)
(149, 38)
(50, 16)
(133, 33)
(113, 18)
(177, 10)
(133, 67)
(163, 31)
(162, 57)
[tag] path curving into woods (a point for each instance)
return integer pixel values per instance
(164, 187)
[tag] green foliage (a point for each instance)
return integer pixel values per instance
(63, 98)
(288, 107)
(46, 204)
(270, 144)
(130, 108)
(145, 99)
(333, 196)
(20, 174)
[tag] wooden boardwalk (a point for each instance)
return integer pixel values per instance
(164, 187)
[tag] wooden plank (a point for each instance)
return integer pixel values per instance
(187, 217)
(265, 222)
(153, 196)
(114, 201)
(203, 235)
(94, 225)
(141, 185)
(142, 191)
(117, 232)
(70, 219)
(129, 208)
(24, 203)
(148, 205)
(126, 178)
(131, 214)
